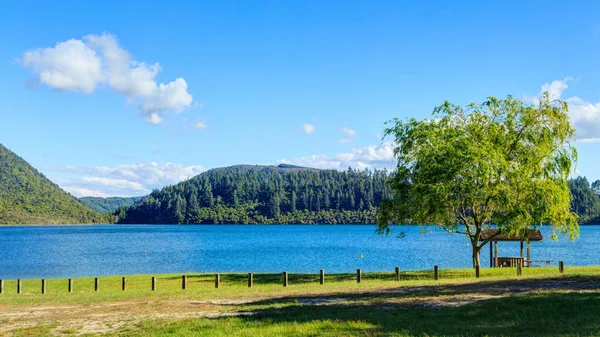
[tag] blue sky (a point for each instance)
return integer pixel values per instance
(117, 98)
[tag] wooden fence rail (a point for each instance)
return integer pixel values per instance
(217, 279)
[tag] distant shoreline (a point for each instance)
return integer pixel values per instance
(229, 224)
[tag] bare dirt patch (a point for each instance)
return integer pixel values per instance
(105, 317)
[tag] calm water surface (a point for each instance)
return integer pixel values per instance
(75, 251)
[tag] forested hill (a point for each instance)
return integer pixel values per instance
(109, 205)
(265, 194)
(27, 197)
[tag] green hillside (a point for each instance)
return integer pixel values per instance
(27, 197)
(109, 205)
(248, 194)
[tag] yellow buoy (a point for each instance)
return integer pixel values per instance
(361, 256)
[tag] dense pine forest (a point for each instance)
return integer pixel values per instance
(27, 197)
(265, 194)
(109, 205)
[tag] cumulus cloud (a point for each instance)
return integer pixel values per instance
(374, 156)
(153, 118)
(71, 65)
(122, 180)
(584, 115)
(99, 61)
(308, 128)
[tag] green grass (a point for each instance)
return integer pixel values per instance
(550, 314)
(235, 285)
(375, 307)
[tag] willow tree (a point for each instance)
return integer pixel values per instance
(502, 164)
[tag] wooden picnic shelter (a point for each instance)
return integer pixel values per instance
(495, 234)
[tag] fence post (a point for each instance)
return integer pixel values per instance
(153, 283)
(217, 281)
(249, 280)
(358, 275)
(561, 267)
(43, 286)
(70, 288)
(397, 271)
(19, 286)
(183, 282)
(1, 286)
(436, 272)
(124, 284)
(519, 269)
(96, 284)
(322, 277)
(285, 278)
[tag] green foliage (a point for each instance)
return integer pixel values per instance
(265, 194)
(27, 197)
(502, 163)
(586, 202)
(109, 205)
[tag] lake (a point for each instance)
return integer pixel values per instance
(100, 250)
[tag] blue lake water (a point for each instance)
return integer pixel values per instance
(75, 251)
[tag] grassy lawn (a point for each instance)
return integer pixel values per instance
(541, 302)
(550, 314)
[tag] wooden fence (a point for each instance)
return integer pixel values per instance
(285, 281)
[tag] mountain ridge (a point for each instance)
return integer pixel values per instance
(28, 197)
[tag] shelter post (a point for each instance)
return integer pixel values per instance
(528, 253)
(491, 254)
(496, 254)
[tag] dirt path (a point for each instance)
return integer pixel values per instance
(114, 317)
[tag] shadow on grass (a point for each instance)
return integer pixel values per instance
(532, 314)
(495, 287)
(546, 314)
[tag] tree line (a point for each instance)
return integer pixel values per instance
(292, 195)
(265, 194)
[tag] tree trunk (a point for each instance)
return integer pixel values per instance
(476, 259)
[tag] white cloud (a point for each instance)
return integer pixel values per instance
(172, 97)
(344, 141)
(348, 132)
(556, 87)
(122, 180)
(308, 128)
(70, 65)
(584, 115)
(116, 183)
(153, 119)
(200, 125)
(374, 156)
(99, 61)
(85, 192)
